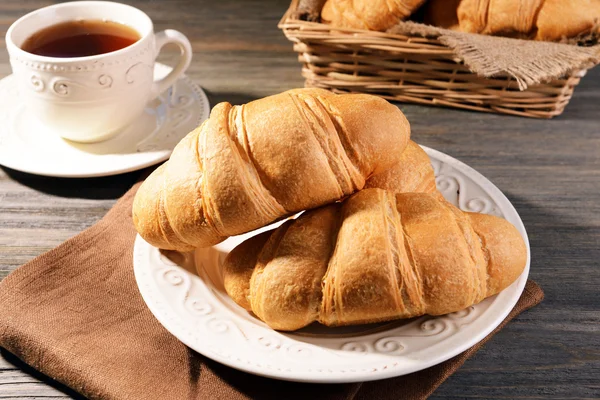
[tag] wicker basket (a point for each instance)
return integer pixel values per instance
(413, 69)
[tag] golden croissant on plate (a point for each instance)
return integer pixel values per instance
(248, 166)
(412, 173)
(549, 20)
(375, 15)
(374, 257)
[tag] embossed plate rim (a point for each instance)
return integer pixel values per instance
(465, 334)
(112, 165)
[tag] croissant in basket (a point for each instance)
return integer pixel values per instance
(549, 20)
(375, 15)
(376, 256)
(249, 165)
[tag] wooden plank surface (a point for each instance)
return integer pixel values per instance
(550, 170)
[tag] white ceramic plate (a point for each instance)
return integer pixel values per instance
(196, 309)
(26, 145)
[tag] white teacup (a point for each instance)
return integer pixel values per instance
(89, 99)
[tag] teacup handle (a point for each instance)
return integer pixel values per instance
(161, 39)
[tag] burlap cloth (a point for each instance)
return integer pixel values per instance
(76, 315)
(529, 62)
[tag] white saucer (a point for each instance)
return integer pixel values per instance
(25, 144)
(194, 307)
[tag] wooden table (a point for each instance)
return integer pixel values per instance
(550, 170)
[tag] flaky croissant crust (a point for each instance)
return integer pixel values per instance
(374, 257)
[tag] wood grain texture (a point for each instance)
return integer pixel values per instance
(550, 170)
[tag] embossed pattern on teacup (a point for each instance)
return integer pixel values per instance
(83, 80)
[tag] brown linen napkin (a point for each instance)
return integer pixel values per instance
(76, 315)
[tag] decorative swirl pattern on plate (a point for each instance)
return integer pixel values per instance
(173, 277)
(384, 345)
(218, 325)
(198, 307)
(389, 344)
(434, 326)
(455, 190)
(359, 347)
(446, 183)
(179, 101)
(180, 110)
(223, 325)
(479, 205)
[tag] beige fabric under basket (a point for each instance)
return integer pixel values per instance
(414, 69)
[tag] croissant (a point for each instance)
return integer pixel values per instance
(376, 256)
(412, 173)
(375, 15)
(250, 165)
(549, 20)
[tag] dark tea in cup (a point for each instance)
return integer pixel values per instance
(80, 39)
